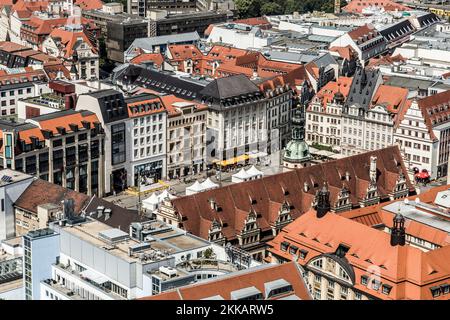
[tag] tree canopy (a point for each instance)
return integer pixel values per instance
(256, 8)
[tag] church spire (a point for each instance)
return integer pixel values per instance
(323, 201)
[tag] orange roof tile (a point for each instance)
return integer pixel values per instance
(394, 98)
(435, 110)
(156, 58)
(357, 5)
(69, 39)
(254, 277)
(169, 100)
(345, 52)
(89, 4)
(135, 111)
(405, 268)
(327, 92)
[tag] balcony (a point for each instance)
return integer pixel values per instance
(62, 290)
(104, 286)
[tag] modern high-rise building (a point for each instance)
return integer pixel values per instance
(41, 250)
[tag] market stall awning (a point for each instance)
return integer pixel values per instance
(234, 160)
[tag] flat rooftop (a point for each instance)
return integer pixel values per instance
(413, 211)
(8, 176)
(47, 100)
(158, 246)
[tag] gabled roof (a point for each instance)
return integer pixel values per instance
(363, 87)
(156, 58)
(70, 40)
(363, 33)
(393, 98)
(396, 264)
(435, 110)
(326, 93)
(269, 192)
(41, 192)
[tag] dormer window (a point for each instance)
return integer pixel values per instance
(386, 289)
(435, 291)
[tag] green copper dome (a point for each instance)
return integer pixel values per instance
(296, 151)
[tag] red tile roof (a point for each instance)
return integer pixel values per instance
(145, 107)
(435, 110)
(89, 4)
(156, 58)
(394, 98)
(344, 52)
(268, 191)
(388, 5)
(327, 92)
(408, 270)
(366, 30)
(44, 26)
(68, 39)
(254, 277)
(172, 110)
(261, 22)
(42, 192)
(28, 76)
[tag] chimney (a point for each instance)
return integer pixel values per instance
(347, 175)
(107, 214)
(323, 201)
(305, 187)
(100, 211)
(373, 168)
(213, 204)
(398, 230)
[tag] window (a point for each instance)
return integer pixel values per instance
(445, 288)
(435, 291)
(330, 284)
(364, 280)
(318, 263)
(303, 254)
(358, 296)
(118, 143)
(376, 285)
(344, 290)
(386, 289)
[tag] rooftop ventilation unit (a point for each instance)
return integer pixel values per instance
(113, 235)
(168, 271)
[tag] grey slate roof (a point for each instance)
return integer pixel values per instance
(363, 88)
(290, 56)
(409, 83)
(112, 105)
(228, 87)
(149, 43)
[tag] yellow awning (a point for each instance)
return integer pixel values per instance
(234, 160)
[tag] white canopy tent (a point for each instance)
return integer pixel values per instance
(195, 188)
(151, 203)
(241, 176)
(165, 194)
(208, 185)
(254, 173)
